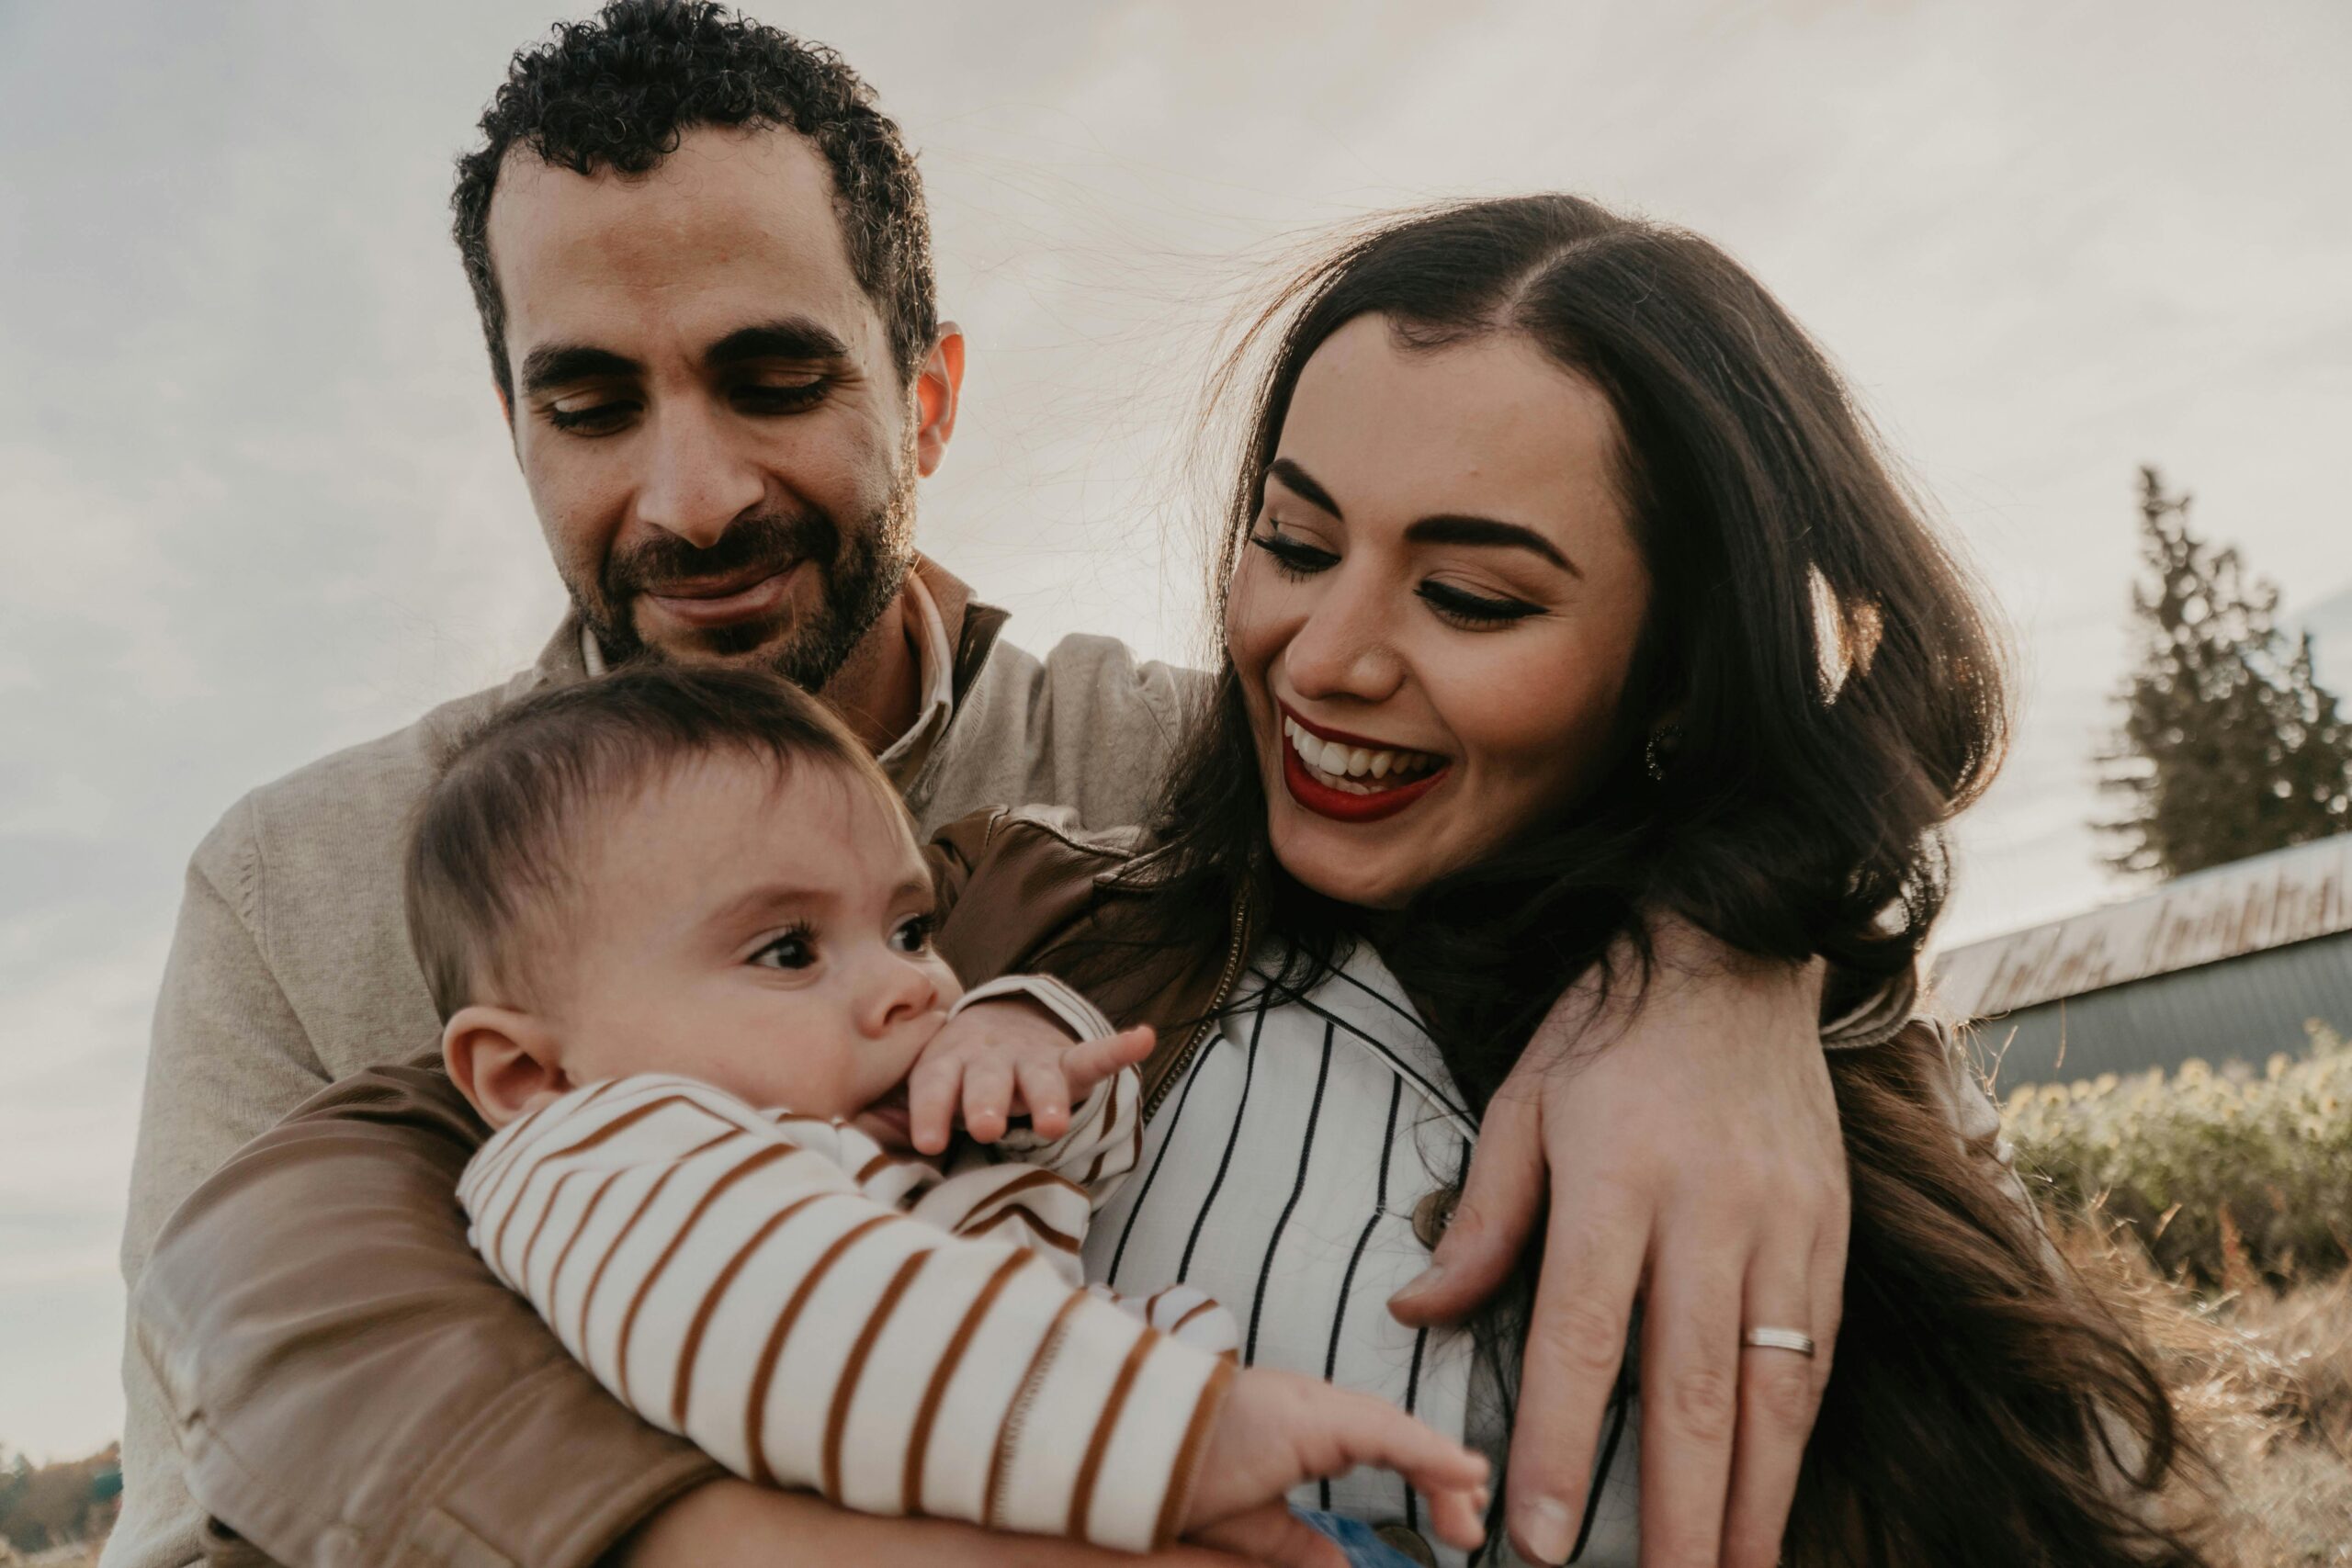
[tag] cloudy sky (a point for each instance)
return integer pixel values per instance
(255, 504)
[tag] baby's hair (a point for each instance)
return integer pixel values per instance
(499, 836)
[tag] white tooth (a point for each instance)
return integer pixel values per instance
(1335, 760)
(1358, 760)
(1381, 762)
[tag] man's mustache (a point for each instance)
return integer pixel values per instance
(771, 541)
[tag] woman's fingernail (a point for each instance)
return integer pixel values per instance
(1545, 1532)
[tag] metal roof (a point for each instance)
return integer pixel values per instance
(2248, 906)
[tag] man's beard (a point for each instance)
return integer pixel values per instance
(859, 575)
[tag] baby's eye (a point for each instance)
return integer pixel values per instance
(796, 949)
(915, 933)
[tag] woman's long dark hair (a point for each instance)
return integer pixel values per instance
(1837, 697)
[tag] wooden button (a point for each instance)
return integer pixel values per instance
(1433, 1214)
(1404, 1539)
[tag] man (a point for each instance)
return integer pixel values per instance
(701, 262)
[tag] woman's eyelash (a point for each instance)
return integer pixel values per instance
(1476, 609)
(1293, 558)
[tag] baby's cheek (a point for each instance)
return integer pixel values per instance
(950, 989)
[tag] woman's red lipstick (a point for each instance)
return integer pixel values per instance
(1340, 805)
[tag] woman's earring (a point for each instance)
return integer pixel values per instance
(1661, 746)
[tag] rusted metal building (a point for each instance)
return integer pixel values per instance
(2221, 964)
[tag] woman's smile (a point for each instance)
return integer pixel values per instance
(1353, 778)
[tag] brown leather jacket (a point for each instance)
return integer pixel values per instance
(351, 1386)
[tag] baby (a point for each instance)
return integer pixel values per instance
(680, 933)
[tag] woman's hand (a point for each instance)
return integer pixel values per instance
(733, 1524)
(1693, 1159)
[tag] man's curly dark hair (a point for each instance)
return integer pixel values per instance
(617, 91)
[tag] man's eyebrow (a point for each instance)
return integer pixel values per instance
(559, 363)
(1299, 483)
(787, 337)
(1449, 528)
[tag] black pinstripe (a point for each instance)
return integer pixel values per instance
(1248, 1071)
(1363, 1239)
(1274, 1242)
(1412, 1396)
(1167, 1142)
(1434, 1091)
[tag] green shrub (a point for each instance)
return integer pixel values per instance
(2221, 1174)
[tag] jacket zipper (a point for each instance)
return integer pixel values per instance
(1234, 955)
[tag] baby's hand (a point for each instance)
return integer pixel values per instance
(1278, 1429)
(997, 1059)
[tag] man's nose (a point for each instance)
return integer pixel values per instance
(1345, 647)
(696, 484)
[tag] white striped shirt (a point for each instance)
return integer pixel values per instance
(1280, 1175)
(814, 1311)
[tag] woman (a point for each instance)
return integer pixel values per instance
(1560, 520)
(1562, 584)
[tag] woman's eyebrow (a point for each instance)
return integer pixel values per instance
(1449, 528)
(1301, 484)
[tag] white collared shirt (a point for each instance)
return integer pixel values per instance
(1281, 1174)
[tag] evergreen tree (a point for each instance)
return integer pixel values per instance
(2228, 745)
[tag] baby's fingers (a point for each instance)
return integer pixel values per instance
(933, 1089)
(988, 1099)
(1089, 1062)
(1369, 1430)
(1045, 1094)
(1458, 1516)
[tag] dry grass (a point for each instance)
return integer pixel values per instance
(2262, 1377)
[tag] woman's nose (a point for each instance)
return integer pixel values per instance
(1343, 649)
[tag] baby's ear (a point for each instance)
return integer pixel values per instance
(503, 1061)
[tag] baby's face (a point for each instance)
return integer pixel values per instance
(770, 937)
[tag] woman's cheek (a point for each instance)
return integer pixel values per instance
(1534, 735)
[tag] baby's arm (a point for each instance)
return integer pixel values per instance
(722, 1274)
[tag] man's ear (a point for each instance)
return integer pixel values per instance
(503, 1061)
(939, 387)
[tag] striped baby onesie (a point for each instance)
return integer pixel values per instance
(813, 1311)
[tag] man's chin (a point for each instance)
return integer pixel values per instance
(765, 642)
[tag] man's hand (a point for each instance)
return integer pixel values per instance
(1691, 1147)
(999, 1059)
(1277, 1429)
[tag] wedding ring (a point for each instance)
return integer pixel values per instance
(1777, 1339)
